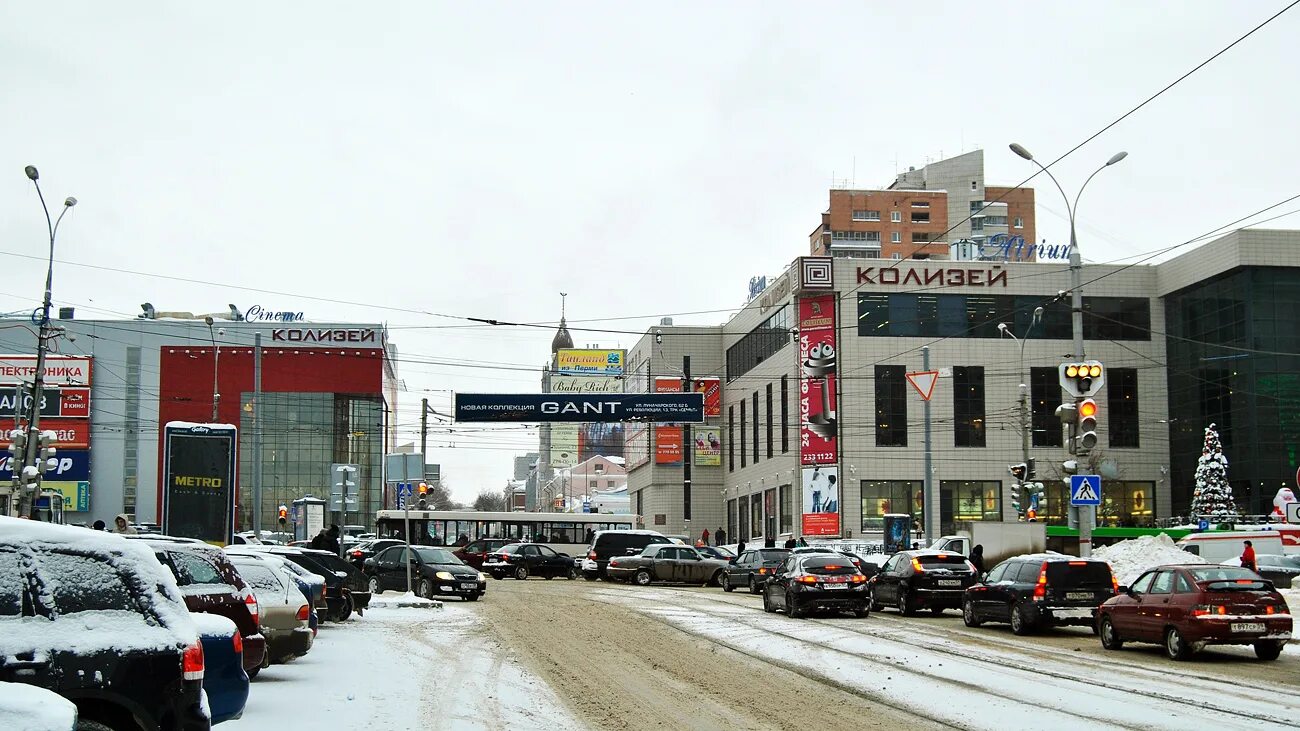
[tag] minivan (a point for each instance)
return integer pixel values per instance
(607, 544)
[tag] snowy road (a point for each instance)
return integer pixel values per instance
(573, 654)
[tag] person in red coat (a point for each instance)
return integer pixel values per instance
(1248, 557)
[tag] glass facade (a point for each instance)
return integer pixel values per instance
(1044, 396)
(891, 406)
(962, 500)
(978, 315)
(890, 496)
(1231, 362)
(1124, 504)
(761, 343)
(1122, 406)
(968, 406)
(302, 435)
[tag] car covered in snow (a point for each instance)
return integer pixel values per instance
(26, 707)
(94, 618)
(284, 615)
(1186, 607)
(669, 562)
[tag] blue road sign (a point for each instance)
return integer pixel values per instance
(1202, 524)
(1085, 490)
(405, 489)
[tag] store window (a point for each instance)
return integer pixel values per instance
(1122, 406)
(890, 496)
(963, 500)
(755, 515)
(1126, 504)
(891, 406)
(1044, 397)
(787, 508)
(968, 406)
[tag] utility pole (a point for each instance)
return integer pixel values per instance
(257, 433)
(688, 450)
(931, 525)
(424, 431)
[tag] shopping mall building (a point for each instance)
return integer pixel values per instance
(328, 393)
(1209, 336)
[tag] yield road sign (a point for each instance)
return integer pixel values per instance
(923, 382)
(1085, 490)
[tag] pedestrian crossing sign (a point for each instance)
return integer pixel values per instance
(1085, 490)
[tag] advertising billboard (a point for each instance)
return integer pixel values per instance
(710, 387)
(552, 407)
(575, 362)
(76, 495)
(586, 384)
(199, 489)
(636, 446)
(600, 438)
(821, 501)
(69, 465)
(668, 444)
(564, 445)
(817, 381)
(68, 433)
(708, 446)
(59, 369)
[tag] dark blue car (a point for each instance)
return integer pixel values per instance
(224, 679)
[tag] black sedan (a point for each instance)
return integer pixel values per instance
(434, 572)
(359, 552)
(812, 581)
(522, 560)
(912, 580)
(752, 568)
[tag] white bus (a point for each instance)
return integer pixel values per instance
(565, 532)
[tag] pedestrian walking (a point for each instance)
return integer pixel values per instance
(740, 547)
(591, 536)
(977, 559)
(122, 526)
(705, 536)
(769, 542)
(1248, 557)
(720, 537)
(790, 543)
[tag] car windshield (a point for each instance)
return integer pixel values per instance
(1270, 559)
(435, 555)
(777, 555)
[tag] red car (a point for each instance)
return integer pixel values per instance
(477, 552)
(1187, 607)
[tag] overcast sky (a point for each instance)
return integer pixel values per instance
(476, 159)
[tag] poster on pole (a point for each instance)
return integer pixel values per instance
(199, 489)
(821, 501)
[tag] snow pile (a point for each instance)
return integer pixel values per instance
(405, 600)
(1128, 559)
(29, 708)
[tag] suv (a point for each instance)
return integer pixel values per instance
(912, 580)
(211, 583)
(1040, 591)
(95, 619)
(607, 544)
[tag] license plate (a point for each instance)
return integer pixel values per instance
(468, 585)
(1247, 626)
(949, 582)
(1078, 596)
(836, 586)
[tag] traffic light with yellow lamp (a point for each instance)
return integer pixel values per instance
(1087, 430)
(422, 495)
(1082, 379)
(284, 516)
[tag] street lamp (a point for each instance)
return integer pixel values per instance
(1076, 262)
(1024, 387)
(216, 364)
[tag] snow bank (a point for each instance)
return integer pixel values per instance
(405, 600)
(29, 708)
(1128, 559)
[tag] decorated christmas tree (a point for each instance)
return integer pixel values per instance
(1212, 496)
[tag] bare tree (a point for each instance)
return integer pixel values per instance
(490, 501)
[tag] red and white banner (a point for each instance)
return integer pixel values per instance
(710, 387)
(74, 402)
(70, 433)
(818, 357)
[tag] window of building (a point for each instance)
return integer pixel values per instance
(969, 500)
(977, 224)
(1116, 318)
(590, 483)
(866, 215)
(957, 315)
(896, 216)
(895, 237)
(920, 217)
(756, 420)
(855, 236)
(873, 314)
(976, 206)
(1044, 397)
(895, 256)
(609, 483)
(995, 220)
(742, 433)
(731, 520)
(891, 406)
(755, 515)
(968, 406)
(731, 440)
(1122, 406)
(974, 185)
(881, 497)
(1020, 222)
(786, 498)
(1126, 503)
(742, 518)
(640, 505)
(920, 204)
(761, 343)
(920, 237)
(785, 414)
(769, 423)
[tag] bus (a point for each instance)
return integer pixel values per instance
(564, 532)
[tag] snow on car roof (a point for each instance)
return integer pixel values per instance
(214, 625)
(26, 707)
(86, 632)
(630, 532)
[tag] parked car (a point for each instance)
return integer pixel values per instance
(1186, 607)
(310, 585)
(607, 544)
(434, 572)
(667, 562)
(476, 552)
(1281, 570)
(96, 619)
(752, 568)
(284, 616)
(366, 548)
(346, 588)
(811, 581)
(721, 553)
(1031, 592)
(866, 567)
(912, 580)
(210, 583)
(30, 708)
(522, 560)
(224, 679)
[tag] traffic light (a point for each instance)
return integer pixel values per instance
(422, 492)
(1082, 379)
(423, 489)
(1018, 471)
(1087, 429)
(45, 455)
(1015, 497)
(284, 516)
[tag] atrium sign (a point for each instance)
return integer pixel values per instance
(1001, 247)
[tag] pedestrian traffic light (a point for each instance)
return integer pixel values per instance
(1018, 471)
(1087, 424)
(1082, 379)
(284, 516)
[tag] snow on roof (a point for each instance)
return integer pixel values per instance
(26, 707)
(86, 632)
(1128, 559)
(214, 625)
(192, 424)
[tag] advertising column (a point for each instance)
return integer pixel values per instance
(65, 411)
(199, 492)
(818, 426)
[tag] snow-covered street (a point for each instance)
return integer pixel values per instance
(574, 654)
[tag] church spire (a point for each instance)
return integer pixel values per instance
(562, 337)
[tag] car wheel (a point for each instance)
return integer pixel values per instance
(521, 573)
(548, 577)
(1110, 638)
(1020, 623)
(968, 614)
(767, 602)
(573, 574)
(904, 604)
(861, 612)
(85, 724)
(425, 589)
(753, 586)
(1175, 646)
(374, 586)
(726, 583)
(498, 575)
(871, 600)
(346, 611)
(643, 578)
(1268, 649)
(472, 597)
(792, 608)
(590, 577)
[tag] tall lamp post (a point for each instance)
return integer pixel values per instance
(1024, 391)
(216, 366)
(33, 449)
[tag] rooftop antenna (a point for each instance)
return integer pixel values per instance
(853, 177)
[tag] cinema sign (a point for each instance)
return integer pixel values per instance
(943, 277)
